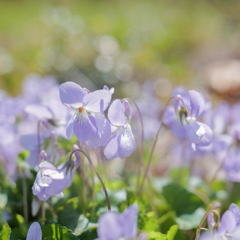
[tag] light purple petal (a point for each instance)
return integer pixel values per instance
(69, 129)
(111, 149)
(33, 159)
(39, 111)
(194, 131)
(30, 141)
(234, 131)
(173, 122)
(196, 103)
(211, 222)
(43, 196)
(228, 223)
(126, 142)
(112, 90)
(34, 232)
(235, 113)
(110, 226)
(234, 208)
(56, 187)
(84, 127)
(36, 188)
(35, 206)
(210, 236)
(103, 130)
(44, 181)
(127, 109)
(129, 216)
(183, 94)
(97, 101)
(60, 195)
(207, 137)
(47, 165)
(54, 174)
(71, 94)
(116, 113)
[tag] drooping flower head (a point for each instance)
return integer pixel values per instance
(122, 143)
(51, 181)
(82, 122)
(112, 225)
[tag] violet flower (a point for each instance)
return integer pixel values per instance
(82, 123)
(229, 228)
(112, 225)
(34, 232)
(122, 143)
(183, 121)
(51, 181)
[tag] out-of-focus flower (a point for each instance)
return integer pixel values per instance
(112, 225)
(122, 143)
(227, 150)
(218, 118)
(33, 143)
(82, 123)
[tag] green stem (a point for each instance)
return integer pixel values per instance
(155, 142)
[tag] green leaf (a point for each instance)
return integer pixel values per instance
(21, 160)
(3, 200)
(69, 213)
(172, 232)
(5, 233)
(190, 221)
(57, 232)
(147, 222)
(159, 182)
(156, 236)
(115, 197)
(180, 199)
(83, 225)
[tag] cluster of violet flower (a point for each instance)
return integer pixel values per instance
(46, 112)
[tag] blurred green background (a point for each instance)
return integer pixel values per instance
(116, 42)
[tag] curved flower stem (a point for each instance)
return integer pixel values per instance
(93, 183)
(142, 142)
(155, 142)
(100, 179)
(203, 219)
